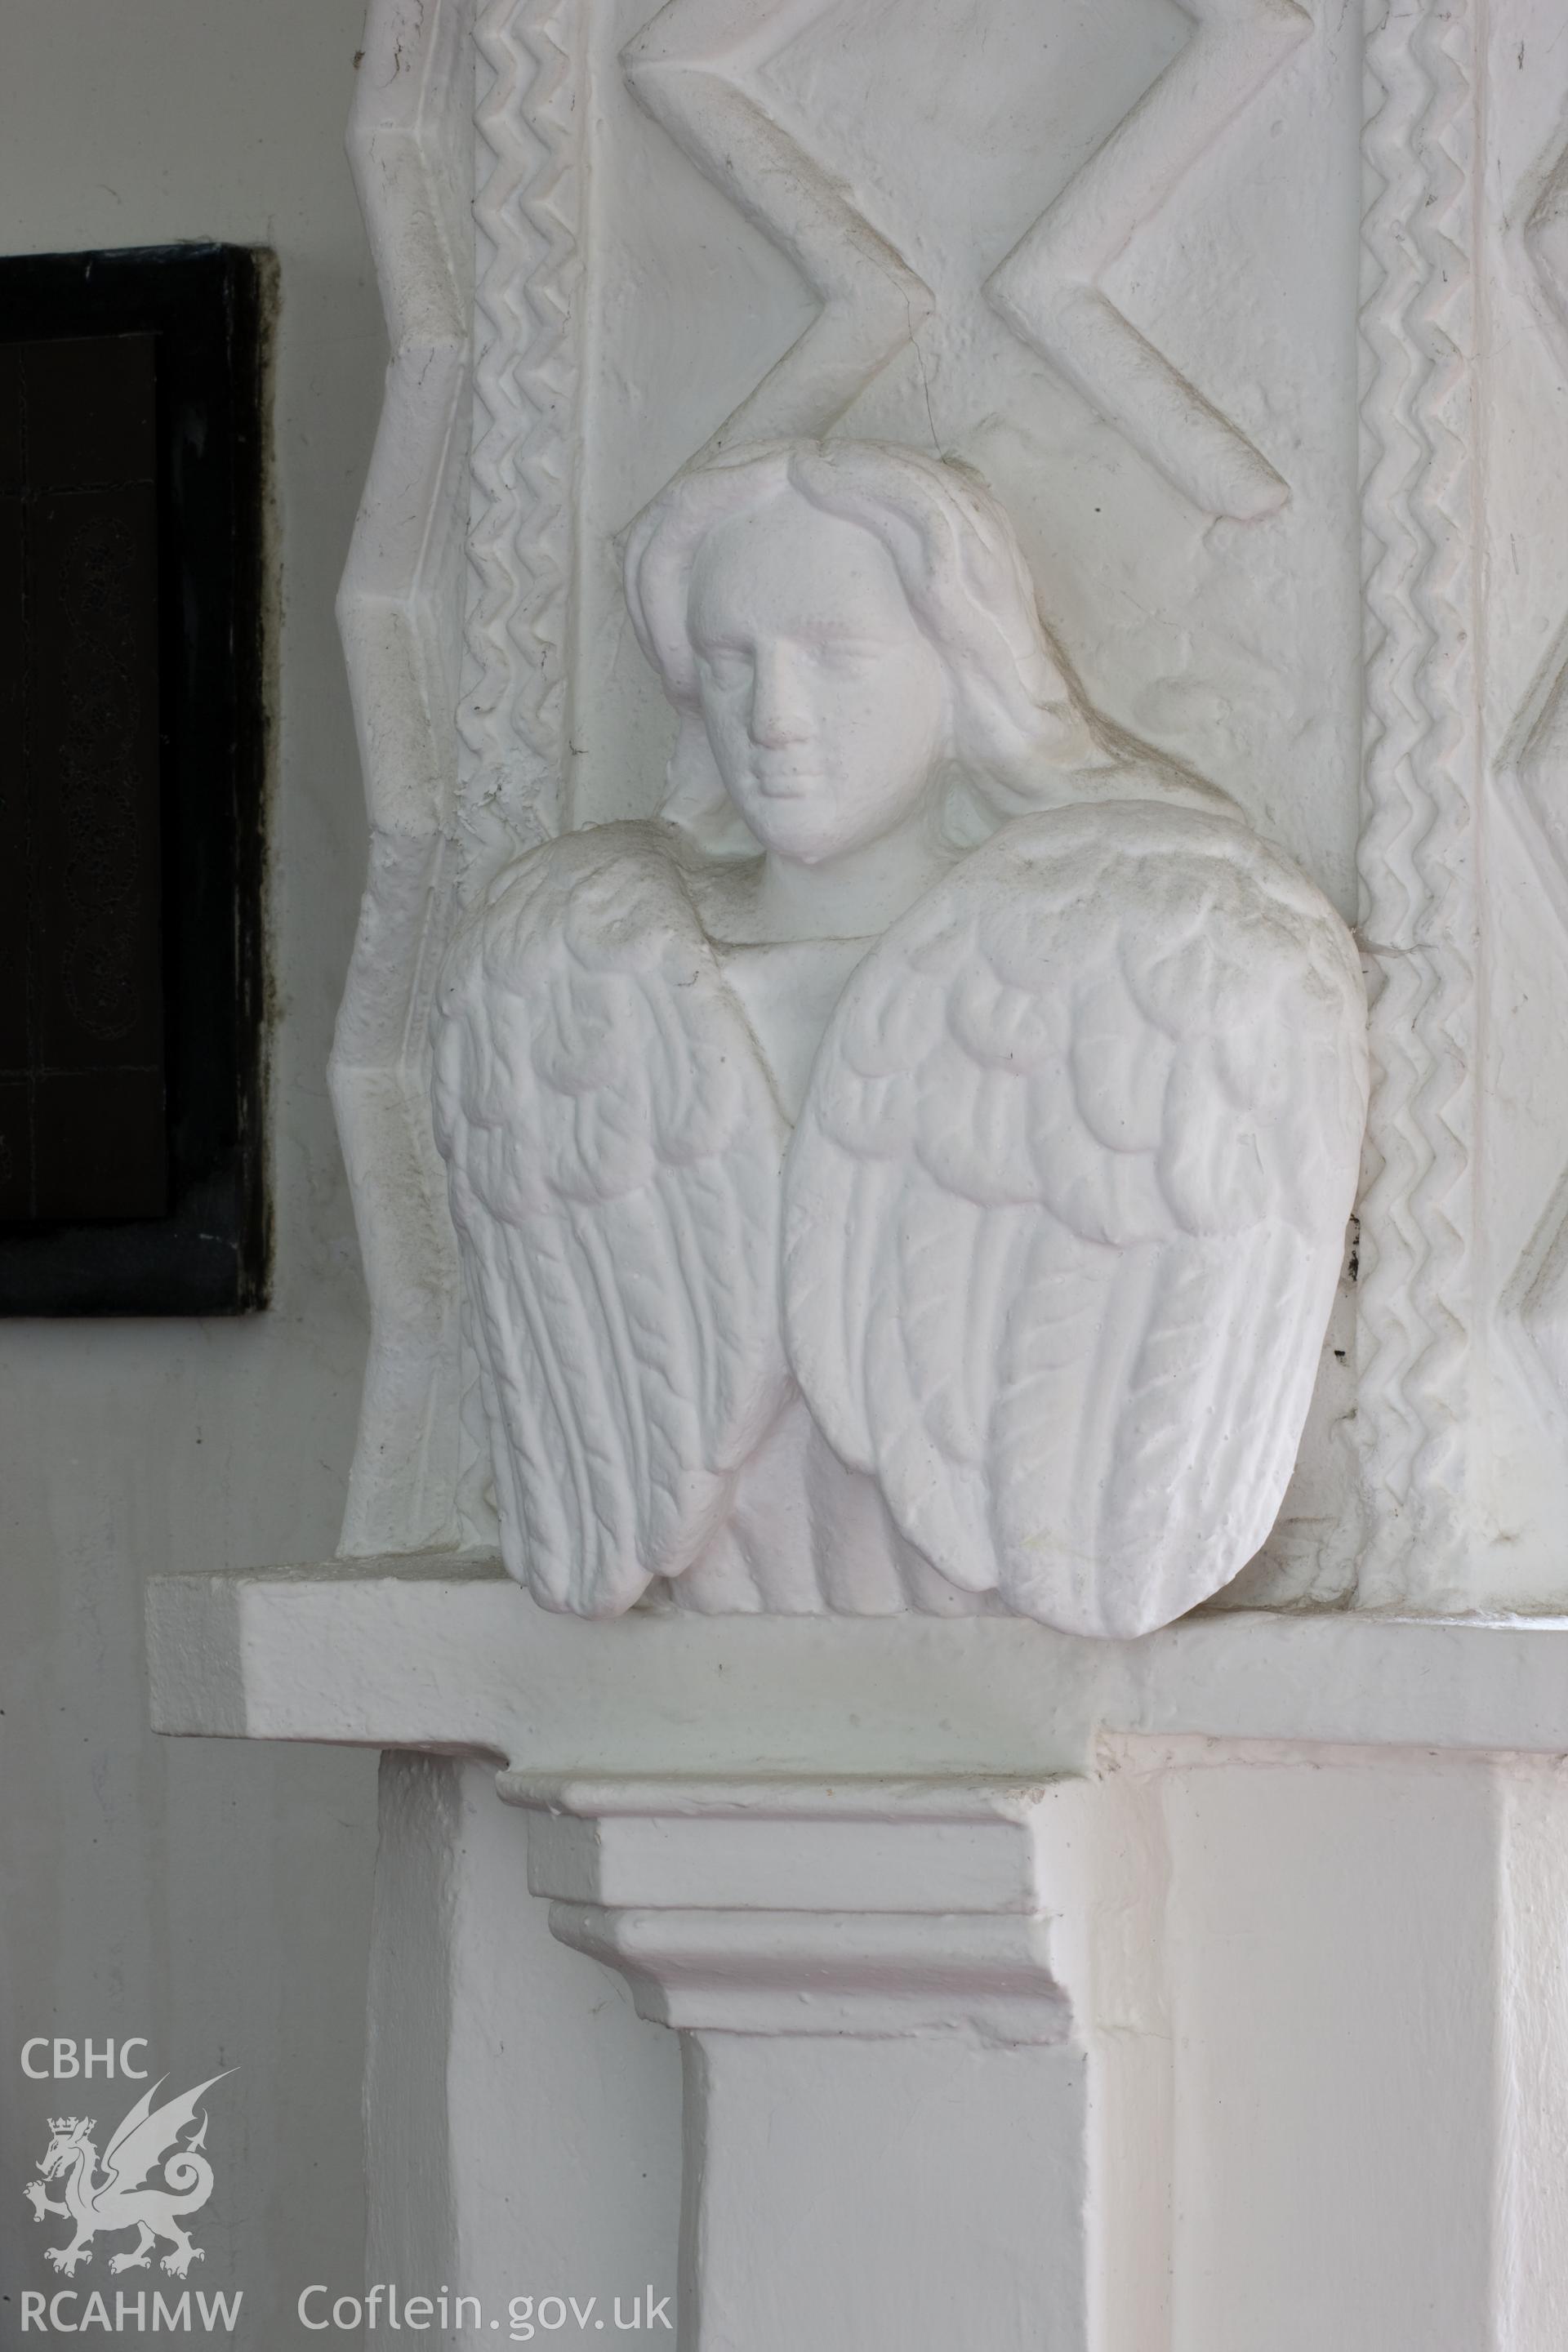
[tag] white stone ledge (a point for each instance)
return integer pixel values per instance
(443, 1652)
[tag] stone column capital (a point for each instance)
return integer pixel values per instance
(860, 1906)
(884, 2079)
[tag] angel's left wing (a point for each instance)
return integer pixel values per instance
(1065, 1207)
(148, 2134)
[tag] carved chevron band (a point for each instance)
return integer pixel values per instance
(1419, 792)
(512, 716)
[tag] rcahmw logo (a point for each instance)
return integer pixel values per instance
(153, 2175)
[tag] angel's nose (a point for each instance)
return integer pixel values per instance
(778, 705)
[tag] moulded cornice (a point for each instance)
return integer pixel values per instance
(869, 1908)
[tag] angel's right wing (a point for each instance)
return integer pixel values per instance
(613, 1145)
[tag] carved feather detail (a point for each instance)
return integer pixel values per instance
(614, 1147)
(1065, 1209)
(1061, 1224)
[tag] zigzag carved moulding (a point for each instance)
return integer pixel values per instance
(529, 266)
(1419, 789)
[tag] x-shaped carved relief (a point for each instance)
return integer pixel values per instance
(687, 70)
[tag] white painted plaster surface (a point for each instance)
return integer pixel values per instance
(1311, 1945)
(435, 1660)
(218, 1904)
(1330, 1934)
(524, 2123)
(1290, 2071)
(953, 2166)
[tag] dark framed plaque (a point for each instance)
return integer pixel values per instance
(132, 773)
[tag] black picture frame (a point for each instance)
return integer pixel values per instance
(208, 308)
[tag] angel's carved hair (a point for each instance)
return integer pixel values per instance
(1021, 727)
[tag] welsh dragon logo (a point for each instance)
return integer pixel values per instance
(126, 2194)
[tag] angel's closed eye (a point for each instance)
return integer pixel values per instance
(725, 666)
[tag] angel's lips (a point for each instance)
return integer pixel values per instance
(787, 783)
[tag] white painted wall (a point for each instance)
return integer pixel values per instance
(524, 2123)
(214, 1897)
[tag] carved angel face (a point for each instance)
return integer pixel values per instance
(825, 702)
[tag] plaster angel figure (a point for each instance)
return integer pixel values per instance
(912, 1172)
